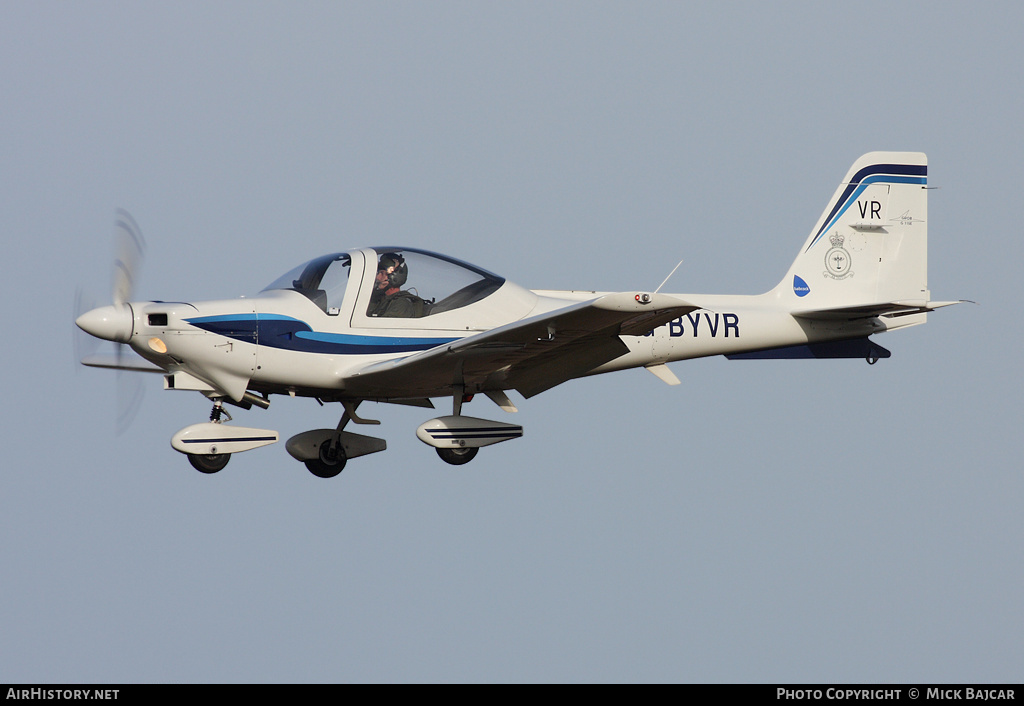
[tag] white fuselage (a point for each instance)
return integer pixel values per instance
(236, 360)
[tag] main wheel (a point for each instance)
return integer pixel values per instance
(208, 463)
(457, 456)
(330, 463)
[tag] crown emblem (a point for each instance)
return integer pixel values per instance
(837, 260)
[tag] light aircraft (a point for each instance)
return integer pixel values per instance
(404, 325)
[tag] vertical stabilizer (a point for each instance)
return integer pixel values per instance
(871, 243)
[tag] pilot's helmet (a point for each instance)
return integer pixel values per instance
(401, 272)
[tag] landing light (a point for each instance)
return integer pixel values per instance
(157, 345)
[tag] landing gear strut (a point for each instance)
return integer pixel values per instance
(218, 411)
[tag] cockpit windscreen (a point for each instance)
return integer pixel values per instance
(322, 280)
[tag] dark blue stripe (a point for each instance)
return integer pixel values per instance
(439, 431)
(291, 334)
(221, 441)
(493, 435)
(910, 170)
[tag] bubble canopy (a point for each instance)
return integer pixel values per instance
(429, 283)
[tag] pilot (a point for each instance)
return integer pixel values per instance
(388, 299)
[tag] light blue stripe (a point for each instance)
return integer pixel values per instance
(242, 317)
(223, 317)
(346, 339)
(352, 339)
(877, 179)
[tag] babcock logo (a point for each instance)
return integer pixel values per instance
(800, 287)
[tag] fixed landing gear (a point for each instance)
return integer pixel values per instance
(325, 452)
(331, 460)
(209, 445)
(211, 463)
(457, 456)
(456, 438)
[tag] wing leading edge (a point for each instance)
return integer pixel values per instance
(529, 356)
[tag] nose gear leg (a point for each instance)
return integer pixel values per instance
(217, 411)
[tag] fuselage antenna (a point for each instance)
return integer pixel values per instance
(667, 278)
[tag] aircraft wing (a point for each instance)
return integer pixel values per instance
(529, 356)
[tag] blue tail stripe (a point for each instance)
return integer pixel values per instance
(877, 173)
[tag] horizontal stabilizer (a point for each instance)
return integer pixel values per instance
(854, 348)
(867, 311)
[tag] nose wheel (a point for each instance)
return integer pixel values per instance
(208, 463)
(457, 456)
(211, 463)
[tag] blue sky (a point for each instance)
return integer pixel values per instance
(764, 521)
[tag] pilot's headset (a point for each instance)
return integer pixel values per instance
(401, 273)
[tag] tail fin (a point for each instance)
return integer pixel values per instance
(870, 246)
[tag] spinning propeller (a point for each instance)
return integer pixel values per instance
(114, 322)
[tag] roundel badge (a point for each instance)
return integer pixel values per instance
(837, 259)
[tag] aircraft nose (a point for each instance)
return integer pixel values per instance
(111, 323)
